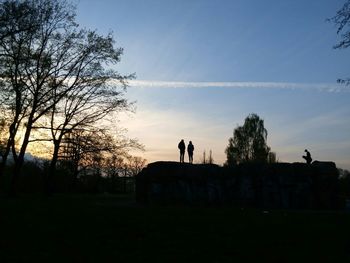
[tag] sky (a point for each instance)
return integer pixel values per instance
(203, 66)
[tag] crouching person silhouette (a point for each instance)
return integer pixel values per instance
(182, 148)
(190, 149)
(307, 157)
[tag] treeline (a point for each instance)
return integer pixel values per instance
(59, 87)
(104, 175)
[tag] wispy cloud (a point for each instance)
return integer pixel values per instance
(328, 87)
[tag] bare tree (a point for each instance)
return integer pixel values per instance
(135, 165)
(85, 106)
(2, 135)
(204, 159)
(114, 165)
(82, 149)
(16, 17)
(25, 63)
(19, 21)
(342, 21)
(209, 159)
(58, 61)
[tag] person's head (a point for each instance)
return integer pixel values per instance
(306, 150)
(190, 142)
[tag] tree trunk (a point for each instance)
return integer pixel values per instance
(10, 142)
(4, 157)
(12, 132)
(16, 173)
(20, 158)
(52, 169)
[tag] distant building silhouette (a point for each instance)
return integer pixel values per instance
(307, 157)
(190, 149)
(182, 148)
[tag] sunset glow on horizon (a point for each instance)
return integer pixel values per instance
(207, 116)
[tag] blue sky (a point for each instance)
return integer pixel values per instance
(189, 55)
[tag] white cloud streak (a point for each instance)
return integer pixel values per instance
(328, 87)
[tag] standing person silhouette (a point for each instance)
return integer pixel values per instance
(190, 149)
(307, 157)
(182, 148)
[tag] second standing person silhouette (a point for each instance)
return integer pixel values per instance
(190, 149)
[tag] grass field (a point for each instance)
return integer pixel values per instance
(106, 228)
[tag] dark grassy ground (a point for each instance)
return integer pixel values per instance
(113, 229)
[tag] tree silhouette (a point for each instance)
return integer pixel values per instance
(342, 21)
(94, 149)
(135, 164)
(2, 135)
(209, 159)
(16, 17)
(52, 68)
(85, 107)
(19, 22)
(248, 143)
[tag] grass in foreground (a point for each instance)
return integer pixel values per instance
(110, 228)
